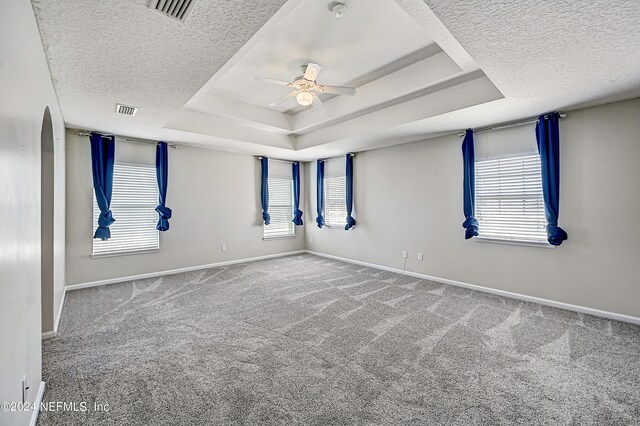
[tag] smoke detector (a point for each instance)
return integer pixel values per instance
(126, 110)
(338, 9)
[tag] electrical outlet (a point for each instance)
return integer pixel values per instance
(310, 239)
(223, 247)
(404, 254)
(420, 257)
(25, 388)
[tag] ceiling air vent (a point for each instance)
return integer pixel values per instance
(176, 9)
(126, 109)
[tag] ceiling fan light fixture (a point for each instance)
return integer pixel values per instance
(306, 89)
(304, 98)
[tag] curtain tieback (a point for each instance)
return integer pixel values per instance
(165, 214)
(351, 222)
(104, 220)
(471, 227)
(163, 211)
(297, 217)
(556, 235)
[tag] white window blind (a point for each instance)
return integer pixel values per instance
(335, 205)
(133, 203)
(280, 208)
(509, 203)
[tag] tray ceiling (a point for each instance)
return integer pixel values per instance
(421, 69)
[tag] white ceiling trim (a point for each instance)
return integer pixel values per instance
(478, 90)
(204, 124)
(218, 105)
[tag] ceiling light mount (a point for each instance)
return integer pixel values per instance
(338, 9)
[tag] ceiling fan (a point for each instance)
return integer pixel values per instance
(306, 89)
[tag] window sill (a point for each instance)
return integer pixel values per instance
(514, 242)
(279, 237)
(125, 253)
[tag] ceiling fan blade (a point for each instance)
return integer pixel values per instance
(274, 81)
(317, 104)
(338, 90)
(312, 71)
(281, 99)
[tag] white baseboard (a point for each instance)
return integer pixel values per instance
(34, 414)
(177, 271)
(524, 297)
(54, 332)
(59, 314)
(48, 335)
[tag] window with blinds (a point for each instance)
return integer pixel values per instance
(509, 203)
(335, 205)
(133, 203)
(280, 208)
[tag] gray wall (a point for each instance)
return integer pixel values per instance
(409, 197)
(26, 90)
(214, 196)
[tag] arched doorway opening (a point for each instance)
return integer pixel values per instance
(46, 222)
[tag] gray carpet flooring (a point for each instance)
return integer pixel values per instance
(311, 341)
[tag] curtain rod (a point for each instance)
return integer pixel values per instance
(126, 139)
(353, 154)
(260, 157)
(510, 124)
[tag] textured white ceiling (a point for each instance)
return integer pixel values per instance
(538, 56)
(104, 52)
(565, 52)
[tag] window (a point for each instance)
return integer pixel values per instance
(509, 203)
(335, 205)
(133, 203)
(280, 208)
